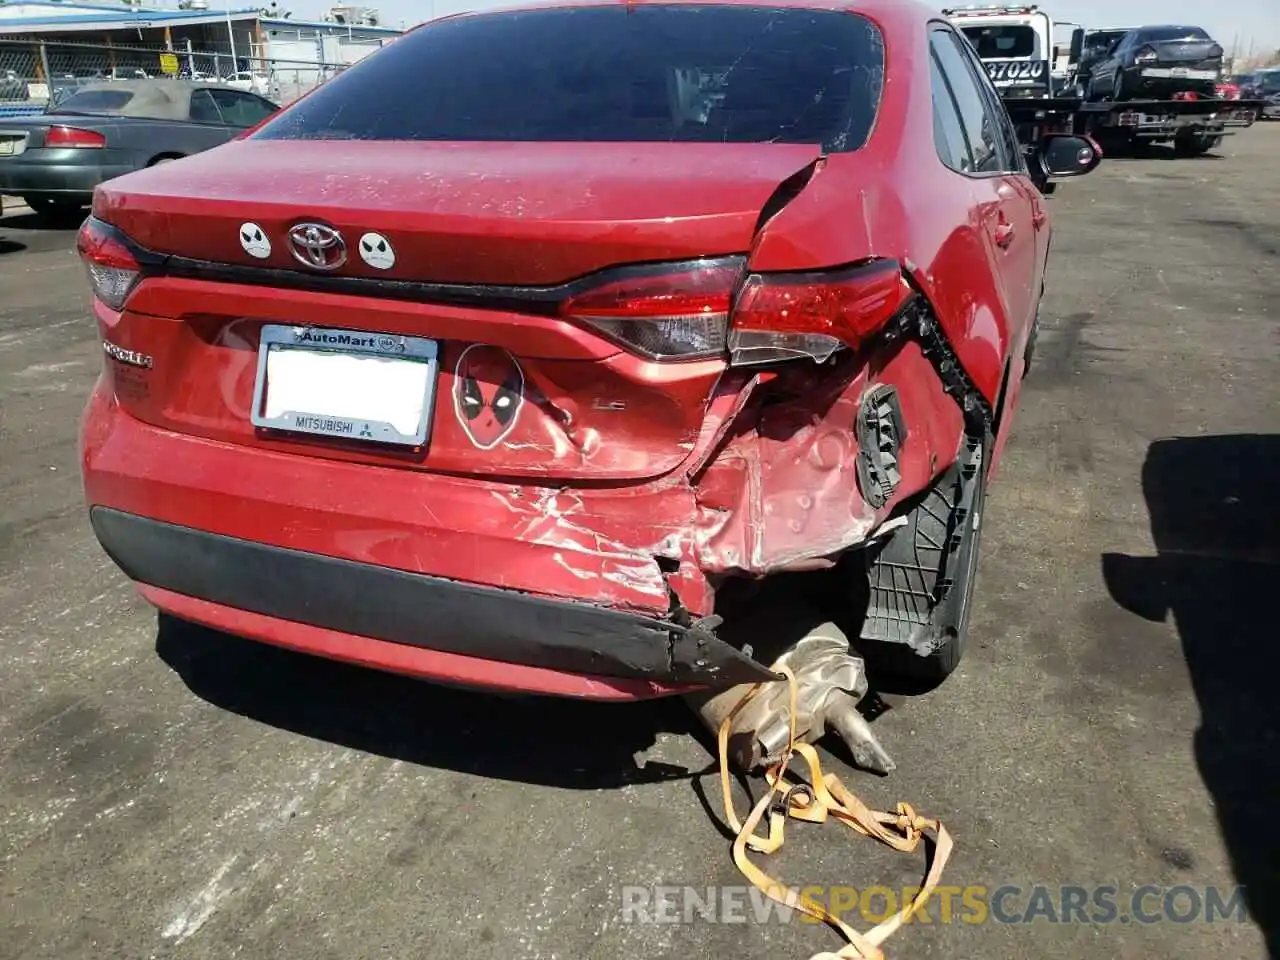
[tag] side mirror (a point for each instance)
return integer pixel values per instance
(1077, 44)
(1066, 155)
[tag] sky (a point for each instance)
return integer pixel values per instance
(1229, 21)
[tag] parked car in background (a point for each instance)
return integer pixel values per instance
(1265, 85)
(13, 87)
(1156, 62)
(101, 131)
(496, 356)
(255, 82)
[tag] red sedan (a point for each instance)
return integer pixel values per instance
(495, 358)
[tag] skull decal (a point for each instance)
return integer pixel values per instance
(488, 394)
(377, 252)
(254, 241)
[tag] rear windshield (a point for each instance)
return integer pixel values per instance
(95, 101)
(1159, 34)
(1270, 82)
(993, 43)
(685, 73)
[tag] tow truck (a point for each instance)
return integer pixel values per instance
(1036, 65)
(1028, 54)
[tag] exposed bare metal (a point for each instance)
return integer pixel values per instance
(831, 682)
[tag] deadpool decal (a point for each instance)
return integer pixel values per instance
(488, 392)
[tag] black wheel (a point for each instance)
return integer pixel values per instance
(1117, 87)
(1196, 145)
(921, 582)
(55, 208)
(1140, 148)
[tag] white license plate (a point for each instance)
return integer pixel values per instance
(1179, 72)
(6, 148)
(352, 384)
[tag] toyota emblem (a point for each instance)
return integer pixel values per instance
(316, 246)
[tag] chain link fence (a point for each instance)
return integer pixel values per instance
(35, 75)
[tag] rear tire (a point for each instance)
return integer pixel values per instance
(1118, 91)
(922, 581)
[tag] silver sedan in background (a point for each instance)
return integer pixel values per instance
(55, 159)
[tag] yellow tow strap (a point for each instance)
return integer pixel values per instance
(823, 797)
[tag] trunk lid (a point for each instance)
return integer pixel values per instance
(509, 214)
(1186, 52)
(519, 393)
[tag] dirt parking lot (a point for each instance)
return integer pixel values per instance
(170, 792)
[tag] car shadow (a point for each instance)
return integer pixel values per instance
(1214, 503)
(35, 222)
(554, 742)
(1155, 151)
(11, 246)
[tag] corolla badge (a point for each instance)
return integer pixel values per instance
(317, 246)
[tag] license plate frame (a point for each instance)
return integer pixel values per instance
(351, 344)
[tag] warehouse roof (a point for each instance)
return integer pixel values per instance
(46, 17)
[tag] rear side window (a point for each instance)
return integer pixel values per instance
(203, 108)
(948, 132)
(684, 73)
(95, 101)
(241, 109)
(981, 134)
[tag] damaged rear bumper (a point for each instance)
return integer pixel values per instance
(602, 591)
(395, 606)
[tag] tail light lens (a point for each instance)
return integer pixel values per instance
(1146, 55)
(74, 137)
(700, 310)
(113, 268)
(671, 312)
(782, 316)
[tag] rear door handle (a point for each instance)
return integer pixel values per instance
(1004, 235)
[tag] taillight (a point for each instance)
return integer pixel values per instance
(788, 315)
(74, 137)
(669, 312)
(113, 268)
(707, 308)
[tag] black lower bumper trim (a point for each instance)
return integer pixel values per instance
(414, 609)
